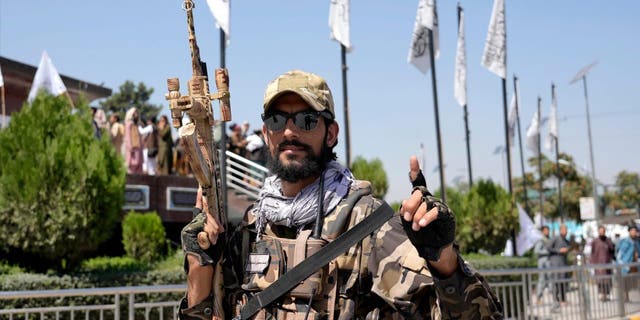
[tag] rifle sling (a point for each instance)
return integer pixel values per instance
(321, 258)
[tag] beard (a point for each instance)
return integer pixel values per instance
(310, 166)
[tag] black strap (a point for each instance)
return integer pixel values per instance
(321, 258)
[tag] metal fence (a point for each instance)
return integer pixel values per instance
(576, 292)
(588, 294)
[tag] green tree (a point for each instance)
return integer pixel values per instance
(574, 186)
(372, 171)
(485, 217)
(132, 95)
(61, 189)
(626, 193)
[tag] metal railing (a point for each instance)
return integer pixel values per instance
(514, 287)
(143, 302)
(245, 176)
(576, 292)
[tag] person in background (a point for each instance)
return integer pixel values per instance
(542, 252)
(255, 148)
(150, 143)
(245, 129)
(116, 132)
(627, 252)
(96, 128)
(165, 146)
(602, 250)
(558, 250)
(237, 142)
(132, 142)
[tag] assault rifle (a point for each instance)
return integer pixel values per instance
(197, 138)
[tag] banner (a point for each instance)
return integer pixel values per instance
(220, 11)
(339, 22)
(528, 234)
(426, 18)
(47, 78)
(460, 83)
(494, 57)
(533, 133)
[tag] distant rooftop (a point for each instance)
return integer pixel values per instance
(18, 77)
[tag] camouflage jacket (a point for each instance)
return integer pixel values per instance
(382, 277)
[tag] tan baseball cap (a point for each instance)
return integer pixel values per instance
(309, 86)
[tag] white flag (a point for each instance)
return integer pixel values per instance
(47, 78)
(528, 234)
(220, 11)
(533, 133)
(553, 122)
(494, 57)
(511, 120)
(460, 84)
(1, 79)
(426, 18)
(339, 22)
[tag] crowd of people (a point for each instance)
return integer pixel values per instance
(552, 252)
(148, 146)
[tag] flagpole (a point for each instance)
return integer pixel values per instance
(466, 122)
(556, 142)
(343, 53)
(223, 130)
(4, 113)
(524, 180)
(437, 115)
(66, 93)
(541, 196)
(506, 133)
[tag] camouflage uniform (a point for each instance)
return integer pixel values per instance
(382, 277)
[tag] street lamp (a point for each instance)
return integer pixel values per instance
(582, 74)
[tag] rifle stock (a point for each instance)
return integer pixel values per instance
(197, 137)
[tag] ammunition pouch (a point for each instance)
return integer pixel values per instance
(271, 258)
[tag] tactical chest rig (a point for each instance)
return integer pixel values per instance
(277, 266)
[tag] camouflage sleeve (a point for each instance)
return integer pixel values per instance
(403, 280)
(466, 295)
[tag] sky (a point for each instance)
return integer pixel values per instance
(390, 101)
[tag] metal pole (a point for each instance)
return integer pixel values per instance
(560, 205)
(524, 180)
(506, 133)
(4, 113)
(343, 53)
(437, 116)
(541, 196)
(508, 153)
(593, 168)
(468, 138)
(466, 124)
(223, 132)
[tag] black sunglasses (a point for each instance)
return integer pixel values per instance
(305, 120)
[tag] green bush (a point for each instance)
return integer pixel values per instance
(106, 265)
(484, 262)
(6, 268)
(61, 189)
(143, 236)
